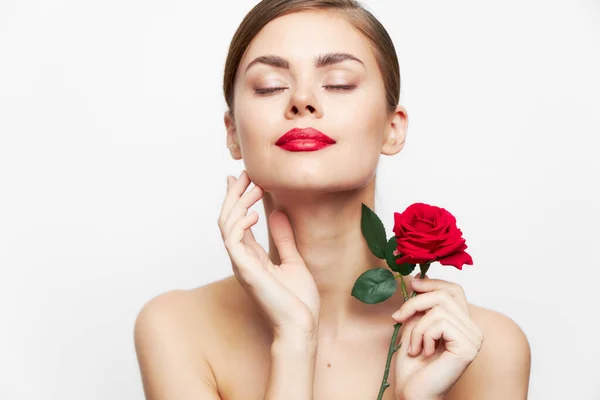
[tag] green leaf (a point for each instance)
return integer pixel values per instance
(404, 268)
(390, 258)
(373, 231)
(375, 286)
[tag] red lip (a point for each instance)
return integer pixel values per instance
(304, 139)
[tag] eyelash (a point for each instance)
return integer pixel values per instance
(277, 89)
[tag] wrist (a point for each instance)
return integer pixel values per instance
(295, 335)
(294, 342)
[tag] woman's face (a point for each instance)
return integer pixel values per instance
(270, 100)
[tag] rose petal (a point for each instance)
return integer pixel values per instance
(431, 218)
(438, 229)
(418, 253)
(397, 222)
(405, 247)
(450, 219)
(422, 225)
(457, 260)
(450, 248)
(416, 259)
(406, 225)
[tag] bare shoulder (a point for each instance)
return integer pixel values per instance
(181, 312)
(174, 334)
(502, 367)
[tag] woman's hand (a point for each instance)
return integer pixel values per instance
(439, 340)
(286, 293)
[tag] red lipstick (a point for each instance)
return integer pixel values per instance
(304, 139)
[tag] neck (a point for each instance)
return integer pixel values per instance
(328, 236)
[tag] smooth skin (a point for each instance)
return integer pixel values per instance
(284, 325)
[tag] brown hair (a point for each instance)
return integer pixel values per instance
(360, 18)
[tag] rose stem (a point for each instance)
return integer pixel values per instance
(392, 349)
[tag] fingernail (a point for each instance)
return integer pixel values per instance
(396, 314)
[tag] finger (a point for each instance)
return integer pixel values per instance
(233, 241)
(429, 346)
(406, 330)
(240, 209)
(248, 235)
(429, 285)
(227, 203)
(248, 238)
(235, 188)
(250, 241)
(283, 237)
(426, 301)
(236, 249)
(417, 335)
(455, 341)
(410, 286)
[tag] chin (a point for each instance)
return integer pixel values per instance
(313, 180)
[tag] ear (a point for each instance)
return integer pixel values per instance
(232, 142)
(394, 140)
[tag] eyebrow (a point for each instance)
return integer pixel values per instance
(321, 61)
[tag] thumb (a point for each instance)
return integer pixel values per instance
(283, 237)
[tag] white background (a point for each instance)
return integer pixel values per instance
(113, 167)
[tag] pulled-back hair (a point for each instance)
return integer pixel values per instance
(360, 18)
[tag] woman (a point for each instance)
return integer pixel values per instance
(312, 88)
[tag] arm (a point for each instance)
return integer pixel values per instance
(501, 370)
(292, 369)
(171, 367)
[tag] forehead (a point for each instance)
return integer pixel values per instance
(302, 36)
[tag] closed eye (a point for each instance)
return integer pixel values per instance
(277, 89)
(341, 87)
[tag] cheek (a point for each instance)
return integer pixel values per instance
(256, 133)
(364, 148)
(363, 132)
(254, 125)
(255, 119)
(363, 113)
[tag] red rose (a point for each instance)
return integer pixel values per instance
(426, 234)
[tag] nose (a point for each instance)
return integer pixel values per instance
(304, 103)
